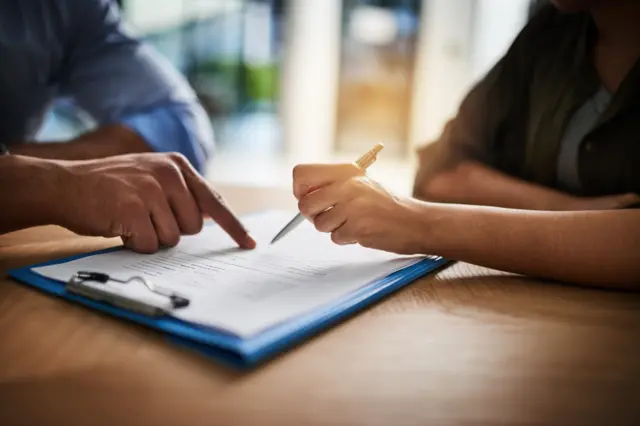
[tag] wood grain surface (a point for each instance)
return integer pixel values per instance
(467, 346)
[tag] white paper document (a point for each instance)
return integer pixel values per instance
(245, 291)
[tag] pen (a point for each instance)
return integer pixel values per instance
(363, 163)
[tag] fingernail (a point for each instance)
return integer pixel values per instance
(250, 242)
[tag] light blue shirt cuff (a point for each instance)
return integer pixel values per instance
(174, 128)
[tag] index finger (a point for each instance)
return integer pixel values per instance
(309, 177)
(212, 204)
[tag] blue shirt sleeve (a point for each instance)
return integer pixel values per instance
(118, 79)
(175, 128)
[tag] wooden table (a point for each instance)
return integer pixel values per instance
(469, 346)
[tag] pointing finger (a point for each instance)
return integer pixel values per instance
(212, 204)
(215, 206)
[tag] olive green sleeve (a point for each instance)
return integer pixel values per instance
(470, 136)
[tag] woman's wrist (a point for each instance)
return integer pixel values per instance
(451, 230)
(427, 221)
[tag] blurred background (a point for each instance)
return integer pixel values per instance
(290, 81)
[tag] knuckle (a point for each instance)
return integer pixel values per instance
(116, 229)
(341, 237)
(335, 237)
(322, 225)
(365, 228)
(299, 172)
(168, 171)
(304, 206)
(366, 243)
(198, 224)
(349, 190)
(358, 183)
(133, 206)
(361, 180)
(146, 246)
(178, 158)
(351, 169)
(148, 186)
(172, 239)
(193, 225)
(143, 241)
(357, 206)
(354, 185)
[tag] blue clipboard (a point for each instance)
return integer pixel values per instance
(231, 350)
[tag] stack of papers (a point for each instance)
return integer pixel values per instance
(244, 292)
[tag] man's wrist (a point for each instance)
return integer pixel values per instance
(37, 192)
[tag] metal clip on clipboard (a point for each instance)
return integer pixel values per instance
(78, 285)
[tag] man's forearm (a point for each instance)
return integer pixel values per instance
(103, 142)
(600, 248)
(28, 188)
(475, 183)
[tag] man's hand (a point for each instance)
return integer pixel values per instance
(341, 200)
(149, 200)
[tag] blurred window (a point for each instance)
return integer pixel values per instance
(376, 74)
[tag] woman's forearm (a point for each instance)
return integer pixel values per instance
(477, 184)
(600, 248)
(597, 248)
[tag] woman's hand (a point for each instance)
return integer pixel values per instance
(342, 200)
(474, 183)
(608, 202)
